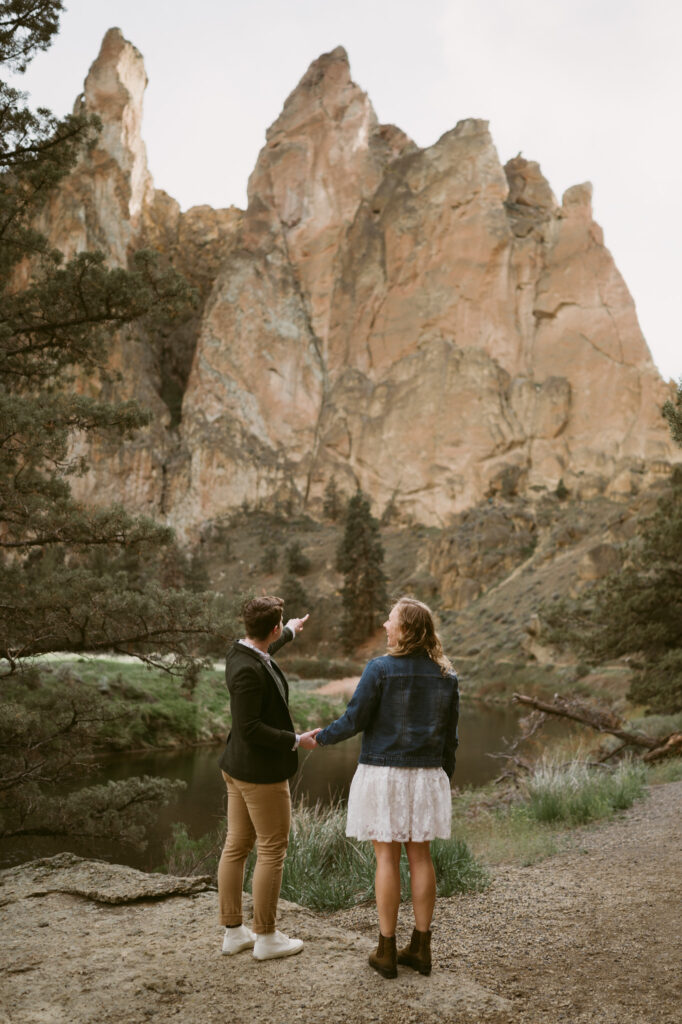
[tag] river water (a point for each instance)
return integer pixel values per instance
(324, 776)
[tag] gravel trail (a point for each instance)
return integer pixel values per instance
(592, 935)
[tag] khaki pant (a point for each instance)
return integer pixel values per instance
(255, 811)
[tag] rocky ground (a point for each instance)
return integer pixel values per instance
(591, 935)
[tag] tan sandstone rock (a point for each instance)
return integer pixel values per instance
(108, 202)
(426, 324)
(324, 154)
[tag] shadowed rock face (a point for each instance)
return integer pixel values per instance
(424, 323)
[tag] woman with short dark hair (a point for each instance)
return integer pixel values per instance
(407, 707)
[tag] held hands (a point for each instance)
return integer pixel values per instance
(307, 740)
(296, 625)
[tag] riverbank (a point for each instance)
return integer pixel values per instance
(138, 708)
(590, 935)
(135, 708)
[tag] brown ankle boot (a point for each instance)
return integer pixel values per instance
(418, 953)
(384, 960)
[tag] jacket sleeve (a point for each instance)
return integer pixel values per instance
(286, 637)
(246, 695)
(361, 707)
(451, 735)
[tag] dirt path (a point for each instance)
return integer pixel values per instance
(339, 687)
(589, 936)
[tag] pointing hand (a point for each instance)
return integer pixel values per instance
(296, 625)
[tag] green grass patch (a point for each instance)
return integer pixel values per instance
(535, 822)
(499, 828)
(579, 793)
(143, 707)
(324, 869)
(657, 726)
(184, 856)
(666, 771)
(510, 835)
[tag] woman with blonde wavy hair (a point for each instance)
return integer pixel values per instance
(407, 706)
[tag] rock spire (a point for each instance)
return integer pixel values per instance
(424, 323)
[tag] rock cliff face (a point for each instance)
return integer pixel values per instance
(427, 324)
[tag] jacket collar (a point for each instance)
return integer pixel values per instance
(270, 666)
(263, 655)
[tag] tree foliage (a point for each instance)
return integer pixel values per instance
(332, 502)
(26, 27)
(673, 413)
(298, 563)
(75, 577)
(360, 557)
(295, 597)
(44, 745)
(637, 612)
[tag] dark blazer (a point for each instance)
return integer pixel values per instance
(260, 744)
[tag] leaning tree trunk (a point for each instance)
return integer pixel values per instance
(606, 721)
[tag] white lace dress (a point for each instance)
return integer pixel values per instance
(399, 804)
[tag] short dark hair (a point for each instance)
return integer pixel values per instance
(261, 615)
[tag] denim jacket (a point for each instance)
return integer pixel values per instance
(407, 711)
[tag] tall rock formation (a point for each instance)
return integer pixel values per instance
(426, 323)
(259, 383)
(109, 203)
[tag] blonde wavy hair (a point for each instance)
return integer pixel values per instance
(418, 633)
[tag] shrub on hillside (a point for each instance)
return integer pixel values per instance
(298, 563)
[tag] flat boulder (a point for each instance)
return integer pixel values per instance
(94, 880)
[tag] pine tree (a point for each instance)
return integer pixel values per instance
(298, 563)
(360, 558)
(75, 578)
(332, 504)
(673, 413)
(295, 597)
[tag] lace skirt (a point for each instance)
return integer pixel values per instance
(399, 804)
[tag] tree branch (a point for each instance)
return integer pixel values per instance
(599, 720)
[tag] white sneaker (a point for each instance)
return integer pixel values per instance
(237, 939)
(276, 944)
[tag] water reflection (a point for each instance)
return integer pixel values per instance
(323, 775)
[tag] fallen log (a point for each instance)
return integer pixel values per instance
(602, 721)
(657, 748)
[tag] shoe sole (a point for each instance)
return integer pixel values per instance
(385, 972)
(279, 955)
(421, 970)
(240, 949)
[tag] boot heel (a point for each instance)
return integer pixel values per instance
(384, 959)
(417, 954)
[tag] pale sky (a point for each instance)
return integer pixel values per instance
(591, 89)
